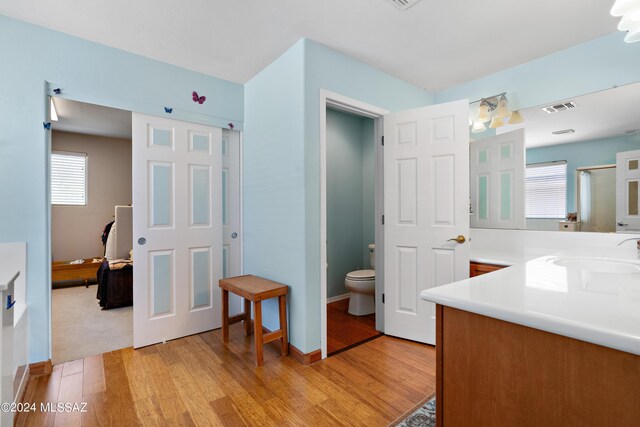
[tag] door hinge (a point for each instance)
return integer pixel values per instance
(383, 298)
(382, 140)
(382, 219)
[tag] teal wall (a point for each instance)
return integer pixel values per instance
(273, 185)
(584, 153)
(588, 67)
(87, 72)
(350, 196)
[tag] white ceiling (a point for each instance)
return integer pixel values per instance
(90, 119)
(435, 44)
(598, 115)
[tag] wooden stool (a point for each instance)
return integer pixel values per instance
(255, 289)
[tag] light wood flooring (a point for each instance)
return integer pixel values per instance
(199, 381)
(344, 329)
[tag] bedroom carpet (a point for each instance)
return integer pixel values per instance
(81, 328)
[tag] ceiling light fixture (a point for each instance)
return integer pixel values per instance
(494, 109)
(629, 13)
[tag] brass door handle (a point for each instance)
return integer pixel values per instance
(460, 239)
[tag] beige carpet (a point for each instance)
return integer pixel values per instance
(81, 328)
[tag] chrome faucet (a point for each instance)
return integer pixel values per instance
(632, 238)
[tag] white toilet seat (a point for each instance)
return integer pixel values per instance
(361, 275)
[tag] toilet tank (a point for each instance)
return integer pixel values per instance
(372, 256)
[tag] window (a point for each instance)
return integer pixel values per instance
(68, 178)
(546, 190)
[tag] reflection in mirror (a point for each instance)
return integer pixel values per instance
(632, 195)
(584, 133)
(596, 201)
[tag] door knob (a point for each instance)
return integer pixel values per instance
(142, 241)
(234, 235)
(621, 224)
(460, 239)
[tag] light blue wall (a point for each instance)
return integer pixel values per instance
(327, 69)
(350, 196)
(580, 154)
(273, 185)
(588, 67)
(88, 72)
(282, 168)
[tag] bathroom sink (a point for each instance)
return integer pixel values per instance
(597, 265)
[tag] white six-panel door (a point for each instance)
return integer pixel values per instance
(497, 172)
(177, 228)
(628, 192)
(426, 198)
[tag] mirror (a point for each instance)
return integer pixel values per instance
(570, 157)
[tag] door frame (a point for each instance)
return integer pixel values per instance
(359, 108)
(48, 226)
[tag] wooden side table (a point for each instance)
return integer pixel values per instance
(255, 289)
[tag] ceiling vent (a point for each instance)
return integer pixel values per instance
(559, 107)
(403, 4)
(563, 131)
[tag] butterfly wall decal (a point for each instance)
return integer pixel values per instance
(198, 99)
(57, 91)
(168, 110)
(230, 126)
(47, 125)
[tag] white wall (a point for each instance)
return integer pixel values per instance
(76, 230)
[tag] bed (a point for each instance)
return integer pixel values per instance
(63, 273)
(115, 274)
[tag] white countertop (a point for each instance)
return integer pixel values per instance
(497, 257)
(583, 303)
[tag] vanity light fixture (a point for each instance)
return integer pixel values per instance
(478, 127)
(496, 122)
(516, 118)
(503, 108)
(494, 109)
(629, 13)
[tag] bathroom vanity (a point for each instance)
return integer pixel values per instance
(480, 268)
(551, 341)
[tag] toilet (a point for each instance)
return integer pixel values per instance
(362, 285)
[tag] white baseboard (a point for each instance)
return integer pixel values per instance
(338, 298)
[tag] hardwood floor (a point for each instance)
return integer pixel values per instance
(344, 329)
(199, 381)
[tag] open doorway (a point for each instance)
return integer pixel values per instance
(91, 196)
(351, 222)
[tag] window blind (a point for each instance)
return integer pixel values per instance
(68, 178)
(546, 190)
